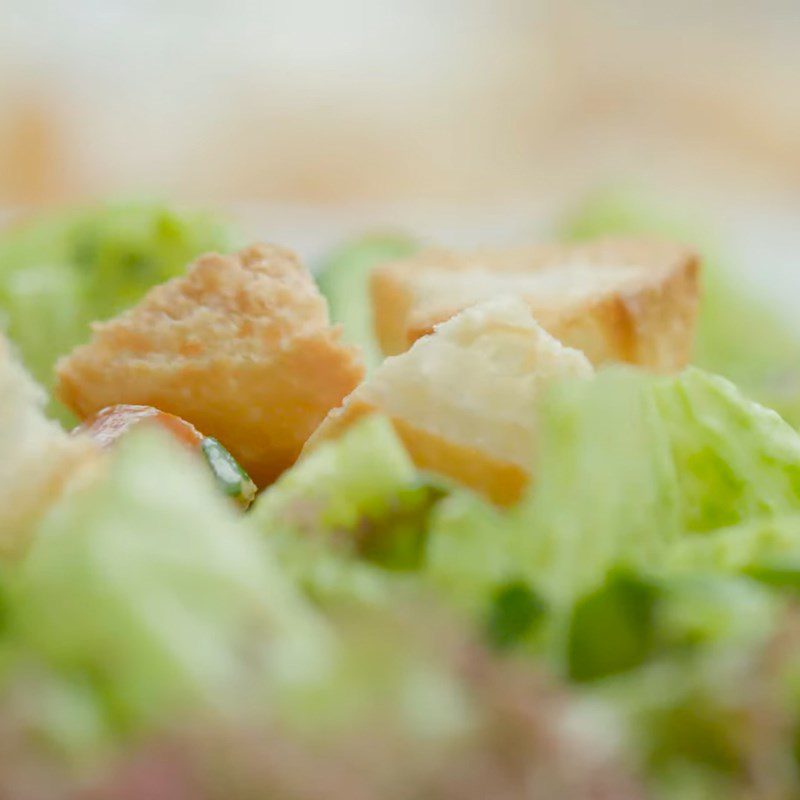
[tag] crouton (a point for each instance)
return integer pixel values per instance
(38, 459)
(463, 399)
(627, 300)
(240, 346)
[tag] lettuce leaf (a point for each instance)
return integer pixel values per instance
(741, 548)
(606, 491)
(340, 482)
(349, 513)
(631, 468)
(735, 460)
(629, 464)
(472, 550)
(149, 584)
(605, 494)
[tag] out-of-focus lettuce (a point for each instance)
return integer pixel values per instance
(694, 667)
(61, 271)
(151, 587)
(742, 548)
(636, 617)
(605, 490)
(605, 494)
(612, 628)
(344, 280)
(472, 551)
(738, 336)
(348, 505)
(631, 469)
(630, 464)
(735, 460)
(343, 480)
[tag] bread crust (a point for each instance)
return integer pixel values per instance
(39, 461)
(240, 347)
(649, 323)
(463, 401)
(501, 481)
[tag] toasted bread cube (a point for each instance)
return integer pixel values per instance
(628, 300)
(38, 459)
(240, 346)
(463, 400)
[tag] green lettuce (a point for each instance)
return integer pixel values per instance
(472, 550)
(630, 464)
(605, 491)
(344, 280)
(747, 548)
(62, 271)
(605, 494)
(735, 459)
(630, 469)
(339, 482)
(634, 618)
(153, 588)
(348, 507)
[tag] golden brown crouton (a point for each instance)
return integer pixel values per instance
(240, 346)
(463, 399)
(38, 460)
(629, 300)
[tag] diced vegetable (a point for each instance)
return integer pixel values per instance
(231, 478)
(110, 424)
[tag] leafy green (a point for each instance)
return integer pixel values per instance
(149, 584)
(230, 476)
(735, 460)
(605, 495)
(612, 628)
(340, 482)
(348, 505)
(606, 491)
(629, 467)
(344, 279)
(515, 611)
(741, 548)
(472, 552)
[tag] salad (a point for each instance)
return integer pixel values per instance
(507, 524)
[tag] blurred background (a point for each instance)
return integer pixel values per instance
(472, 113)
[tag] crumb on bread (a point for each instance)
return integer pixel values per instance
(240, 346)
(618, 299)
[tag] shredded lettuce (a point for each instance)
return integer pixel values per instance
(741, 548)
(604, 495)
(735, 459)
(605, 491)
(348, 507)
(340, 482)
(149, 584)
(631, 469)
